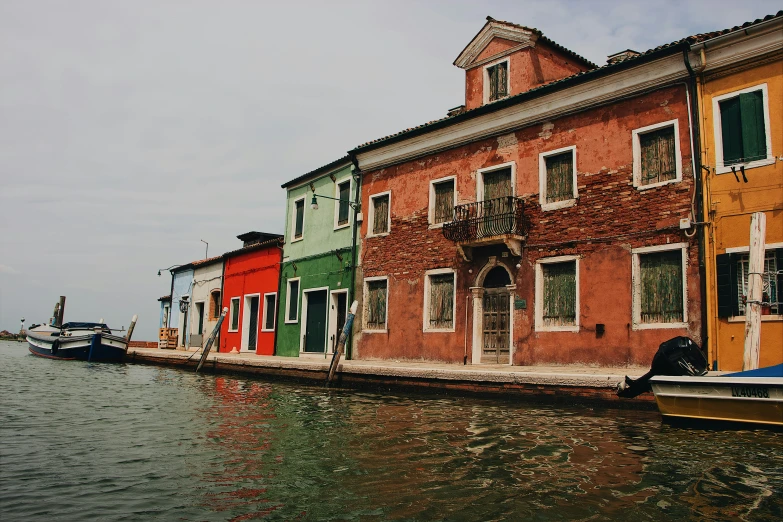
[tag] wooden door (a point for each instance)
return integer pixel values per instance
(496, 327)
(315, 329)
(252, 336)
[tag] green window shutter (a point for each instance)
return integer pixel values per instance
(497, 184)
(293, 300)
(754, 139)
(559, 294)
(380, 223)
(658, 156)
(777, 299)
(731, 130)
(726, 272)
(493, 83)
(502, 81)
(442, 301)
(376, 305)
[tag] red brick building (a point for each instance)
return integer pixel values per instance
(250, 288)
(540, 222)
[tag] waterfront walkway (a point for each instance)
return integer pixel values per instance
(552, 383)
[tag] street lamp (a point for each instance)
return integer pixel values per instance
(314, 202)
(184, 303)
(206, 254)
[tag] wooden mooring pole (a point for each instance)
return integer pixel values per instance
(758, 232)
(338, 353)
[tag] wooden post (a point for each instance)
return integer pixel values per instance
(62, 311)
(758, 232)
(130, 331)
(211, 339)
(341, 343)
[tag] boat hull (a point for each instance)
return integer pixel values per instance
(748, 400)
(106, 348)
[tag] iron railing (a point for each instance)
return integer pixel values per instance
(483, 219)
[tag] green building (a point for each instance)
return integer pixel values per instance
(316, 276)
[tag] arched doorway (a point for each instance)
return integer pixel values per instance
(492, 319)
(496, 326)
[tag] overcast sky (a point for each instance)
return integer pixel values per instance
(130, 131)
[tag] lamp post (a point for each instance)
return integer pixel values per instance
(169, 268)
(206, 254)
(314, 202)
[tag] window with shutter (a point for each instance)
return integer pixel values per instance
(661, 287)
(770, 282)
(658, 156)
(559, 177)
(498, 81)
(270, 300)
(440, 309)
(214, 304)
(559, 294)
(743, 129)
(234, 314)
(380, 218)
(443, 204)
(497, 184)
(298, 218)
(375, 304)
(292, 301)
(344, 195)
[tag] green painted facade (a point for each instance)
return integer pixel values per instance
(316, 261)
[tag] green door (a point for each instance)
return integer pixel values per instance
(315, 329)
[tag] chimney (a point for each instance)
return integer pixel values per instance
(622, 55)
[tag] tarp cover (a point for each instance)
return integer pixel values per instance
(769, 371)
(83, 326)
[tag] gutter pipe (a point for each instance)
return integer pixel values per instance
(697, 175)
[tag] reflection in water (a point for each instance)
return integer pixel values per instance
(82, 441)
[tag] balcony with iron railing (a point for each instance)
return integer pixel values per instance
(494, 221)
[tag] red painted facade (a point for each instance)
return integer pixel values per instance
(253, 271)
(610, 220)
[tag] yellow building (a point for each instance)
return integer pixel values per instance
(740, 95)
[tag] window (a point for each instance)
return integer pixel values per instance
(496, 81)
(214, 304)
(292, 301)
(439, 300)
(742, 134)
(557, 294)
(380, 214)
(442, 201)
(496, 181)
(270, 300)
(557, 178)
(659, 286)
(298, 223)
(344, 195)
(234, 325)
(656, 155)
(375, 303)
(732, 275)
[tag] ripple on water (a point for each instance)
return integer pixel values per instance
(112, 442)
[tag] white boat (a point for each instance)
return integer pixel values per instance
(77, 341)
(752, 397)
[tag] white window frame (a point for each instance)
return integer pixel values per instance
(238, 300)
(288, 300)
(334, 329)
(364, 300)
(540, 326)
(431, 208)
(204, 318)
(371, 215)
(542, 179)
(480, 178)
(637, 292)
(244, 340)
(337, 184)
(746, 250)
(637, 154)
(485, 75)
(294, 239)
(720, 168)
(426, 311)
(265, 316)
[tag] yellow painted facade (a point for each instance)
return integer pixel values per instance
(729, 203)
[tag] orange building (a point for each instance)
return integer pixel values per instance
(740, 93)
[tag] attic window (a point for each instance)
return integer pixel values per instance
(496, 81)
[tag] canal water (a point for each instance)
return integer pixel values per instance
(82, 441)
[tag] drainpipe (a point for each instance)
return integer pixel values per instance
(696, 155)
(358, 202)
